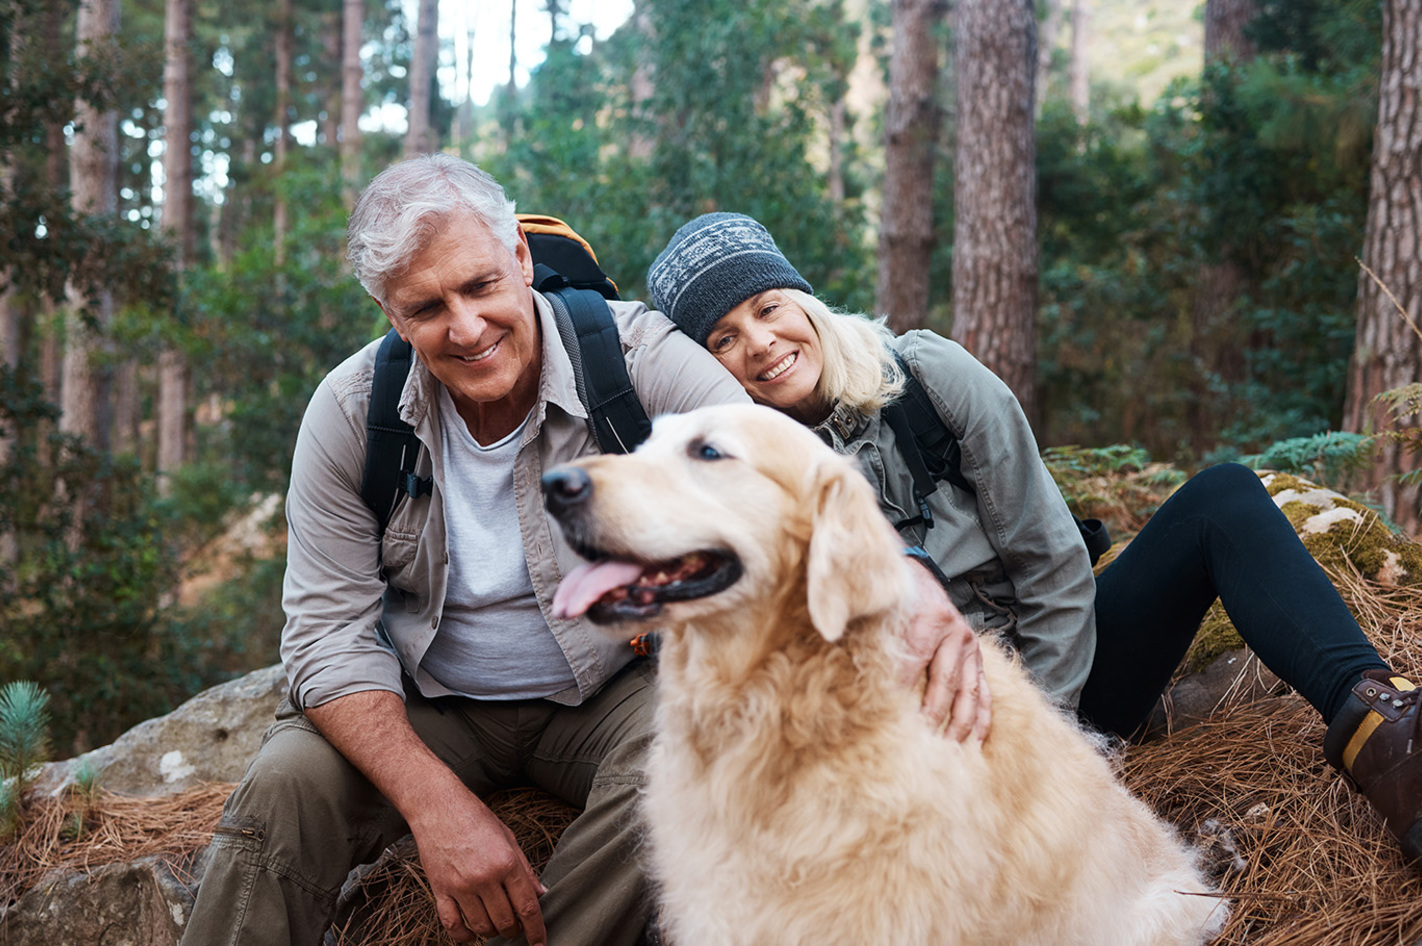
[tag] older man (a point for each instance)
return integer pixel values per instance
(425, 664)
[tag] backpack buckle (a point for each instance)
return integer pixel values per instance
(417, 486)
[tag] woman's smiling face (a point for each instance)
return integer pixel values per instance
(768, 343)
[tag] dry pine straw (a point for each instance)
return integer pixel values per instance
(1314, 866)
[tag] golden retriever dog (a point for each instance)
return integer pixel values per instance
(795, 793)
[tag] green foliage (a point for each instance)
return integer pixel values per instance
(1403, 403)
(1197, 277)
(717, 130)
(87, 609)
(85, 793)
(24, 744)
(24, 730)
(1094, 461)
(1326, 458)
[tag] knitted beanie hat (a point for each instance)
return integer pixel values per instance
(713, 264)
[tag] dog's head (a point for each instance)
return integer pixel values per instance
(719, 511)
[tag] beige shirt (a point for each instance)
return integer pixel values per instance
(359, 609)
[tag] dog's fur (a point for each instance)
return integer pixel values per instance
(795, 793)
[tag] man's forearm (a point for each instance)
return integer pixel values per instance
(371, 730)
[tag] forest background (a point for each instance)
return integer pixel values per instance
(1149, 217)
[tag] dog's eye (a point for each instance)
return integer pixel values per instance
(701, 450)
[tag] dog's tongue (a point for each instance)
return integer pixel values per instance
(590, 581)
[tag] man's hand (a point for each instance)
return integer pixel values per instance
(481, 881)
(942, 645)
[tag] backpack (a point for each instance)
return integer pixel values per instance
(566, 271)
(933, 454)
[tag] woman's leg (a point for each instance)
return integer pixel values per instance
(1221, 536)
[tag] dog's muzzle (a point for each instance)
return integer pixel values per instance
(564, 489)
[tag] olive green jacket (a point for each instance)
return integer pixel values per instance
(1015, 556)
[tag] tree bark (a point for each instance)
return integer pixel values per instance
(282, 120)
(419, 136)
(912, 121)
(331, 36)
(352, 96)
(1388, 351)
(1079, 70)
(1047, 43)
(10, 318)
(178, 226)
(85, 388)
(642, 86)
(1225, 22)
(994, 194)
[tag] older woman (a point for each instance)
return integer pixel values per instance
(1008, 546)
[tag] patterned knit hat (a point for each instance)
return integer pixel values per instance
(713, 264)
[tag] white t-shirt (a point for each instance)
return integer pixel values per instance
(493, 642)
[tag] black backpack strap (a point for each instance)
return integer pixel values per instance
(932, 453)
(391, 447)
(924, 485)
(619, 421)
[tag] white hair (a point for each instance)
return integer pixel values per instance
(860, 370)
(409, 203)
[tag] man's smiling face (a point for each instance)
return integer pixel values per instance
(466, 308)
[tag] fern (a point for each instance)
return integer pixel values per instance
(1326, 457)
(1401, 403)
(1095, 461)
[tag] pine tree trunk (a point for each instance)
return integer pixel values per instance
(1079, 71)
(994, 194)
(642, 86)
(178, 225)
(419, 136)
(352, 96)
(85, 388)
(282, 120)
(910, 146)
(1225, 22)
(1388, 351)
(331, 112)
(10, 322)
(1049, 33)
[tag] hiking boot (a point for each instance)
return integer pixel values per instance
(1376, 742)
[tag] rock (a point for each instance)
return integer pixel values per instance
(1343, 533)
(210, 738)
(141, 903)
(1234, 673)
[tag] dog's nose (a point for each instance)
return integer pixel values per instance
(565, 488)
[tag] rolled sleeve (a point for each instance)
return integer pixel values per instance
(332, 593)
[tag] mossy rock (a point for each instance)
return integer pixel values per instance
(1342, 533)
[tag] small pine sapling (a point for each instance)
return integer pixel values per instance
(24, 744)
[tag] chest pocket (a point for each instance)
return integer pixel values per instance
(397, 551)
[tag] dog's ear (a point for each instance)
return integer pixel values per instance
(854, 564)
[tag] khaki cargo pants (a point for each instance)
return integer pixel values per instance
(303, 816)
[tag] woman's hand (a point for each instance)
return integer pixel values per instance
(942, 646)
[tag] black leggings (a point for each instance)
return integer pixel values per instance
(1219, 536)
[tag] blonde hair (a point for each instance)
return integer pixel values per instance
(860, 370)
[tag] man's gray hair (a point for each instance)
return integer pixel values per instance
(408, 203)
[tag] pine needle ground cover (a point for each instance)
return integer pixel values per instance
(1305, 860)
